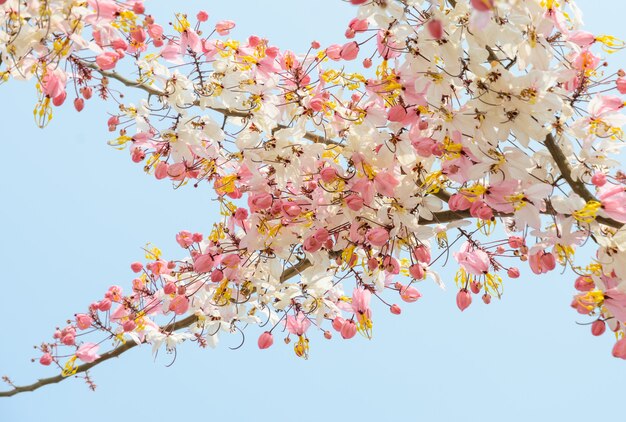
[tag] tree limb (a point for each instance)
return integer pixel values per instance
(577, 186)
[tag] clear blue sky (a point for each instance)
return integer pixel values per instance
(71, 222)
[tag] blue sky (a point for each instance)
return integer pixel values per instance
(76, 212)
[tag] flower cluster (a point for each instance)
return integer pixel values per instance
(470, 120)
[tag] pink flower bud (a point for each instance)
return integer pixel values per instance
(139, 8)
(136, 267)
(513, 272)
(224, 27)
(59, 99)
(621, 85)
(410, 294)
(367, 63)
(328, 335)
(354, 202)
(169, 288)
(203, 263)
(45, 359)
(334, 52)
(463, 299)
(475, 287)
(435, 28)
(378, 236)
(598, 179)
(338, 323)
(113, 122)
(79, 104)
(179, 305)
(458, 202)
(584, 283)
(619, 349)
(107, 60)
(349, 51)
(487, 298)
(315, 45)
(104, 305)
(417, 271)
(328, 174)
(202, 16)
(397, 113)
(129, 325)
(217, 275)
(265, 340)
(348, 330)
(482, 5)
(598, 327)
(422, 254)
(68, 340)
(516, 242)
(86, 92)
(83, 321)
(395, 309)
(259, 201)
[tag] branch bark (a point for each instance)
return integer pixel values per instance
(577, 186)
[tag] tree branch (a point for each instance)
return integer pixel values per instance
(577, 186)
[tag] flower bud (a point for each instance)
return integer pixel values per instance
(265, 340)
(45, 359)
(598, 327)
(463, 299)
(619, 350)
(348, 330)
(338, 323)
(395, 309)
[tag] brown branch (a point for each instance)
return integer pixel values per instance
(106, 356)
(577, 186)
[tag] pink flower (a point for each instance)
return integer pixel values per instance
(354, 202)
(83, 321)
(334, 52)
(613, 198)
(598, 327)
(385, 183)
(378, 236)
(482, 5)
(298, 324)
(312, 244)
(542, 262)
(259, 201)
(107, 60)
(435, 28)
(621, 85)
(581, 38)
(361, 301)
(88, 352)
(422, 254)
(349, 51)
(265, 340)
(224, 27)
(410, 294)
(184, 239)
(45, 359)
(179, 305)
(473, 260)
(203, 263)
(619, 349)
(397, 113)
(463, 299)
(348, 330)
